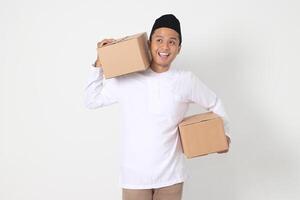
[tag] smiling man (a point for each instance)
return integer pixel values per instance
(165, 42)
(153, 103)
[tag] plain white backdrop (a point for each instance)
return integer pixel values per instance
(52, 147)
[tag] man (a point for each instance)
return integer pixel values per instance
(153, 103)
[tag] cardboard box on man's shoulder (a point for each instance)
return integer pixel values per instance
(126, 55)
(202, 134)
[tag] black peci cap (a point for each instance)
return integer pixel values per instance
(167, 21)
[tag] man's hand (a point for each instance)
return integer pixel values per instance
(228, 142)
(99, 45)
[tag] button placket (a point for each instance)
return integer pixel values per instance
(154, 96)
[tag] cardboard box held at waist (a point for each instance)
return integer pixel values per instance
(126, 55)
(202, 134)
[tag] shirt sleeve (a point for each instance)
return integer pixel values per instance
(199, 93)
(100, 92)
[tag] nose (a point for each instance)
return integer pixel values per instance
(164, 45)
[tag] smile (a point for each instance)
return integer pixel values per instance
(164, 55)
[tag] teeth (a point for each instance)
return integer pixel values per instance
(163, 54)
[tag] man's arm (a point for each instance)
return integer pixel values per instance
(199, 93)
(100, 92)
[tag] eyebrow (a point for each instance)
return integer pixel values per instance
(174, 38)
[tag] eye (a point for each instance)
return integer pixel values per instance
(172, 42)
(159, 40)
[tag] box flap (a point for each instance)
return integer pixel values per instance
(198, 118)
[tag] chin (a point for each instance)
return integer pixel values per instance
(163, 64)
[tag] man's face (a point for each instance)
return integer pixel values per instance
(164, 46)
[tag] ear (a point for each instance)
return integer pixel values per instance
(179, 48)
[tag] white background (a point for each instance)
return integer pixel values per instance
(52, 147)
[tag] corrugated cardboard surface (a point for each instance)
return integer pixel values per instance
(126, 55)
(202, 134)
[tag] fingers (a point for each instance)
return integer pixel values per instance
(99, 45)
(228, 142)
(105, 42)
(223, 151)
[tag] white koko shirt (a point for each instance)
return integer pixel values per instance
(152, 106)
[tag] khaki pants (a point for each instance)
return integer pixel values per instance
(172, 192)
